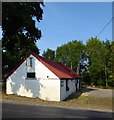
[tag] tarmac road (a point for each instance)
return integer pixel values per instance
(13, 110)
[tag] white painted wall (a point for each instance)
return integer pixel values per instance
(72, 88)
(50, 90)
(42, 71)
(78, 84)
(63, 91)
(39, 87)
(18, 84)
(47, 88)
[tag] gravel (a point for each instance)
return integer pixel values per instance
(96, 92)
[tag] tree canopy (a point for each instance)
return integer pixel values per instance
(19, 31)
(49, 54)
(94, 61)
(70, 54)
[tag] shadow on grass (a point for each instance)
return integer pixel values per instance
(77, 94)
(87, 89)
(74, 95)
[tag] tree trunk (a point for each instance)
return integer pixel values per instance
(106, 76)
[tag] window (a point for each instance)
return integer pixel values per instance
(76, 84)
(62, 83)
(67, 88)
(31, 75)
(30, 61)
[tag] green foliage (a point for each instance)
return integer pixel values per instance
(93, 61)
(71, 54)
(49, 54)
(18, 18)
(19, 31)
(112, 59)
(100, 62)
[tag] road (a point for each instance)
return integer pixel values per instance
(13, 110)
(97, 92)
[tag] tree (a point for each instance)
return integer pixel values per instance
(107, 60)
(72, 55)
(112, 48)
(49, 54)
(99, 56)
(19, 31)
(94, 49)
(18, 19)
(94, 62)
(111, 67)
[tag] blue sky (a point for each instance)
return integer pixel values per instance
(66, 21)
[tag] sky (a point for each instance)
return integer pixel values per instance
(66, 21)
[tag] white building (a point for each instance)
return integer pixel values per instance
(36, 76)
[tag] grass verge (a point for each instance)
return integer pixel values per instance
(82, 102)
(77, 101)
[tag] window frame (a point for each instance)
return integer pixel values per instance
(62, 83)
(31, 77)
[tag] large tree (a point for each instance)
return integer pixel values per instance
(19, 31)
(100, 62)
(112, 63)
(93, 61)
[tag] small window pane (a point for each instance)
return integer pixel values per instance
(31, 75)
(62, 83)
(31, 62)
(67, 88)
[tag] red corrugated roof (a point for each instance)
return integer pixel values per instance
(59, 70)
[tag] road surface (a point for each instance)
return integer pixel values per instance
(13, 110)
(97, 92)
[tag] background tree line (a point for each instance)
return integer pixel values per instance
(94, 61)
